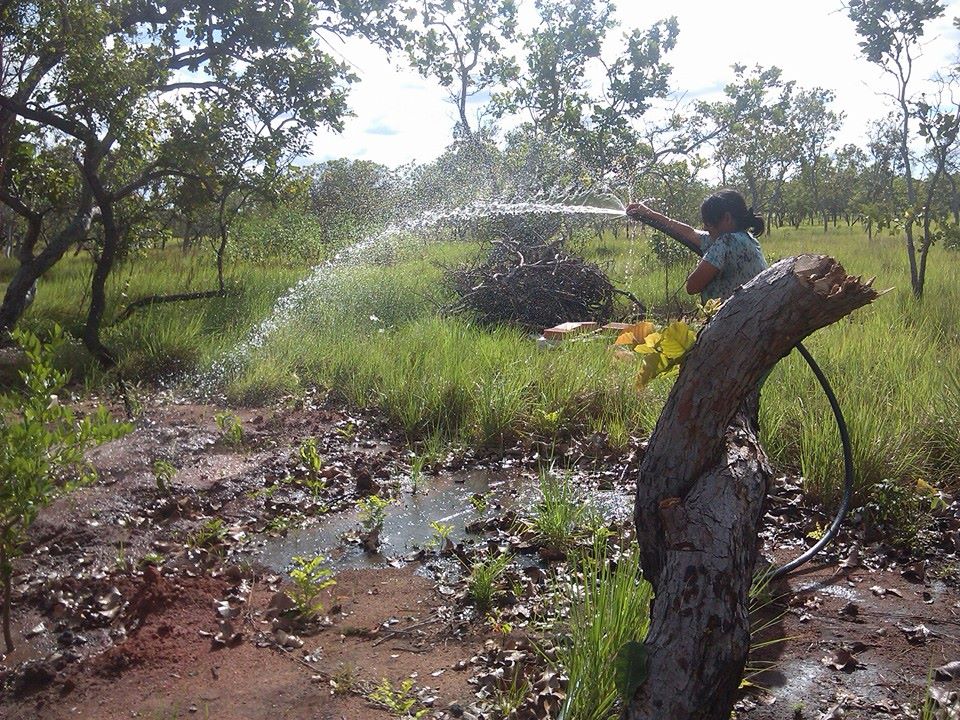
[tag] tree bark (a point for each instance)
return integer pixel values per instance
(31, 269)
(703, 483)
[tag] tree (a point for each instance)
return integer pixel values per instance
(702, 486)
(552, 90)
(464, 48)
(891, 32)
(137, 93)
(757, 145)
(815, 126)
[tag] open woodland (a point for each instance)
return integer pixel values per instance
(264, 452)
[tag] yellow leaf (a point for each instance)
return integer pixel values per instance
(645, 349)
(641, 330)
(678, 338)
(926, 488)
(626, 338)
(652, 339)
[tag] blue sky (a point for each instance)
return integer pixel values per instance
(401, 117)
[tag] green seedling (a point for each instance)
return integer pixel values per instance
(310, 577)
(399, 700)
(163, 472)
(441, 533)
(212, 532)
(313, 462)
(373, 511)
(230, 427)
(479, 503)
(482, 582)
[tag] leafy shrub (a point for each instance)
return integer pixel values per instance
(42, 446)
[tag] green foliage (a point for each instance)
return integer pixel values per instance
(399, 700)
(559, 515)
(373, 511)
(607, 620)
(42, 446)
(660, 352)
(163, 472)
(313, 462)
(231, 428)
(211, 533)
(630, 669)
(482, 582)
(441, 532)
(903, 512)
(310, 577)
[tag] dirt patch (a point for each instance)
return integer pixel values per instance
(125, 588)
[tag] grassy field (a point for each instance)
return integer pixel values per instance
(374, 334)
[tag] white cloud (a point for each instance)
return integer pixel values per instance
(402, 117)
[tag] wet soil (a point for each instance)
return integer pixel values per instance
(134, 600)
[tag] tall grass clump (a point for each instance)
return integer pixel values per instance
(610, 609)
(560, 513)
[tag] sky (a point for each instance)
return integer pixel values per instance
(401, 117)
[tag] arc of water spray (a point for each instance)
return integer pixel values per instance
(293, 301)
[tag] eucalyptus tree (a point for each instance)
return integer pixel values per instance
(757, 141)
(815, 126)
(131, 93)
(465, 46)
(891, 33)
(552, 90)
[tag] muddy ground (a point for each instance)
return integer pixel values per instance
(135, 600)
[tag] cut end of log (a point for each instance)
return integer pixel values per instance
(826, 277)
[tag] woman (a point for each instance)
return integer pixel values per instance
(731, 255)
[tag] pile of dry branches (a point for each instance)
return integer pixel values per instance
(535, 284)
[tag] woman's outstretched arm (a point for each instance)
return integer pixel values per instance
(677, 230)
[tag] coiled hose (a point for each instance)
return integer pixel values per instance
(848, 473)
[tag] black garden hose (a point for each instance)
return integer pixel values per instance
(848, 472)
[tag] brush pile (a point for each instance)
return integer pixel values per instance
(535, 283)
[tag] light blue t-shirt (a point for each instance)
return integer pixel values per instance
(737, 256)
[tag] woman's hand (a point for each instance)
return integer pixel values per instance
(637, 211)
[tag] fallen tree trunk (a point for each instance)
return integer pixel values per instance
(703, 483)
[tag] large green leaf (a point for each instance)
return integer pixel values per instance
(630, 669)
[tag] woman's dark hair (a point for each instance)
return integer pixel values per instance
(730, 201)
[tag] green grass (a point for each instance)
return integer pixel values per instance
(443, 379)
(611, 609)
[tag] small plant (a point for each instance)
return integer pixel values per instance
(344, 680)
(212, 532)
(310, 577)
(498, 624)
(441, 533)
(399, 700)
(904, 513)
(479, 503)
(482, 582)
(608, 615)
(560, 514)
(416, 472)
(348, 430)
(373, 511)
(230, 427)
(508, 698)
(660, 352)
(121, 561)
(152, 558)
(313, 462)
(42, 451)
(163, 472)
(280, 524)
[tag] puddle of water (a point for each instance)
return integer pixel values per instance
(406, 527)
(825, 588)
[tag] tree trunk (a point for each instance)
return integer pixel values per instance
(31, 269)
(703, 482)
